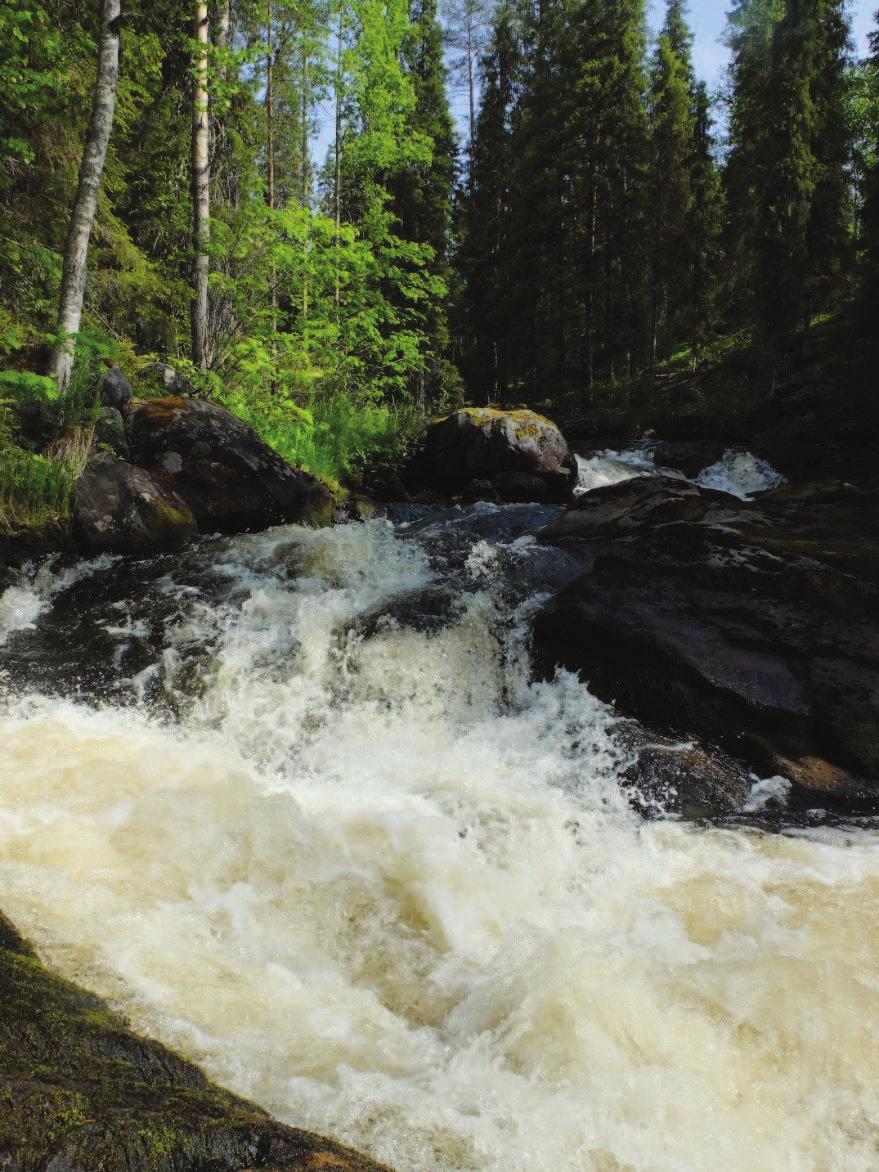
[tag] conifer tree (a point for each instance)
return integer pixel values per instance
(484, 256)
(671, 201)
(421, 192)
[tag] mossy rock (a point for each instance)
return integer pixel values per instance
(481, 443)
(79, 1091)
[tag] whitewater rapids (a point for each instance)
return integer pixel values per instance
(368, 875)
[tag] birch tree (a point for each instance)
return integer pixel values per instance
(201, 188)
(85, 205)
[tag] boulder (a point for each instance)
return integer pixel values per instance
(639, 503)
(520, 487)
(482, 443)
(689, 457)
(118, 508)
(755, 627)
(231, 480)
(116, 390)
(80, 1091)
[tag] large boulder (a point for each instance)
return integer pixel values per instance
(80, 1091)
(619, 509)
(116, 391)
(753, 626)
(231, 480)
(505, 447)
(118, 508)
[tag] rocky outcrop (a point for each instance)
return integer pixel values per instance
(755, 626)
(230, 479)
(522, 454)
(79, 1091)
(118, 508)
(618, 509)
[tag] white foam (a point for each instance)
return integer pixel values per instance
(390, 889)
(740, 474)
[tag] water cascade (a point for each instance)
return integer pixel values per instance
(293, 802)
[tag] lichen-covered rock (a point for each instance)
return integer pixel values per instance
(231, 480)
(118, 508)
(483, 442)
(80, 1092)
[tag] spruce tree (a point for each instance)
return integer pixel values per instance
(484, 258)
(421, 192)
(790, 150)
(671, 202)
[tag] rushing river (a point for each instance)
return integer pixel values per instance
(292, 802)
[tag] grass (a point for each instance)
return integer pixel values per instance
(331, 436)
(36, 487)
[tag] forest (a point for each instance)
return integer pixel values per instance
(284, 207)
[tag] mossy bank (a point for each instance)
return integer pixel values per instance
(79, 1091)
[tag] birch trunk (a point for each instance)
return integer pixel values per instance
(85, 205)
(201, 191)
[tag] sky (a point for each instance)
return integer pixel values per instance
(708, 18)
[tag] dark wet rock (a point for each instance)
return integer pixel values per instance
(231, 480)
(116, 390)
(689, 457)
(753, 626)
(80, 1092)
(665, 776)
(639, 503)
(484, 443)
(481, 490)
(520, 487)
(118, 508)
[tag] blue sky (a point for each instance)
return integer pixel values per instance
(708, 18)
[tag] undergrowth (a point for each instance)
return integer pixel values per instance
(36, 486)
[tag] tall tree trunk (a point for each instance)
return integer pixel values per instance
(85, 205)
(337, 152)
(201, 190)
(471, 93)
(304, 171)
(270, 107)
(224, 24)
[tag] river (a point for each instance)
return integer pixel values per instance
(294, 804)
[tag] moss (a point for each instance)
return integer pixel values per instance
(78, 1089)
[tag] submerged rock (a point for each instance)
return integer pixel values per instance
(231, 480)
(524, 455)
(79, 1091)
(753, 626)
(118, 508)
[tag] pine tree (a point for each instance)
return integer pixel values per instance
(705, 229)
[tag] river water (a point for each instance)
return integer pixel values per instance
(293, 803)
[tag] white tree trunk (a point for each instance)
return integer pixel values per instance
(201, 190)
(85, 205)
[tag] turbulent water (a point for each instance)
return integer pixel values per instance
(291, 801)
(738, 473)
